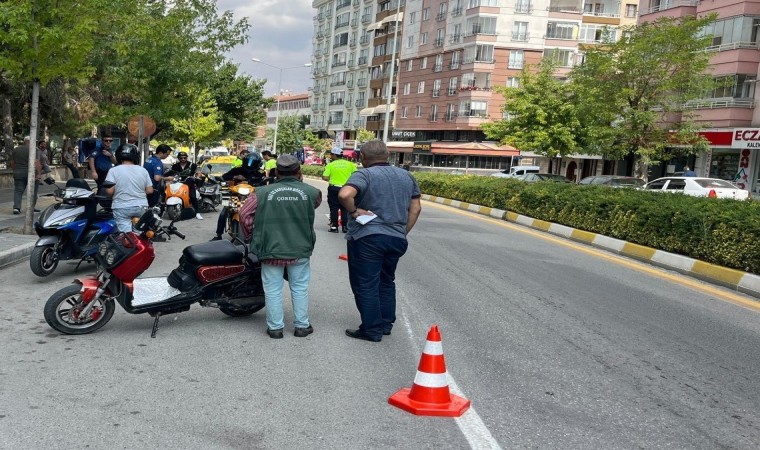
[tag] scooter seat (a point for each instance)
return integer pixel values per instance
(213, 253)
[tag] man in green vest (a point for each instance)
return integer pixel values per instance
(337, 173)
(283, 238)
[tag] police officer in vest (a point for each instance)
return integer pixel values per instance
(337, 173)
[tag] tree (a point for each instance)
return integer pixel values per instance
(543, 117)
(633, 92)
(289, 134)
(240, 101)
(41, 40)
(202, 124)
(316, 143)
(363, 135)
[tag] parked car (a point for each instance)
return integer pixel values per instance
(534, 177)
(219, 164)
(698, 187)
(613, 181)
(516, 171)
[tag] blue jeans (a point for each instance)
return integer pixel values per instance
(123, 217)
(372, 262)
(299, 274)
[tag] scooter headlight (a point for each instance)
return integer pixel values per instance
(65, 221)
(102, 249)
(110, 257)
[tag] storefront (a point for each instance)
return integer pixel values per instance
(733, 156)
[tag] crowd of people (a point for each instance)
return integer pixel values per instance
(375, 206)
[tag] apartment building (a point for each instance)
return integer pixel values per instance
(344, 31)
(453, 52)
(730, 113)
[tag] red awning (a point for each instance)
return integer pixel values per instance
(348, 153)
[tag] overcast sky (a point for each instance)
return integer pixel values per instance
(280, 35)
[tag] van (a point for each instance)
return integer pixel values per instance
(217, 151)
(516, 171)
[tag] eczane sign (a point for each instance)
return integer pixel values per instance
(746, 138)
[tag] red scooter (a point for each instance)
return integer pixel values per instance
(216, 274)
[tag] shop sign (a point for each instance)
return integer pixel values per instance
(746, 138)
(742, 176)
(422, 146)
(403, 134)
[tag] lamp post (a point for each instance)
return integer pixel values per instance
(279, 86)
(393, 69)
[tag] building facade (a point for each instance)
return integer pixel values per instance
(729, 113)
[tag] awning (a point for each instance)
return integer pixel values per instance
(398, 17)
(367, 112)
(375, 26)
(382, 108)
(348, 153)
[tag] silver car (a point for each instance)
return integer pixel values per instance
(698, 187)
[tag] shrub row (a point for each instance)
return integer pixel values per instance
(723, 232)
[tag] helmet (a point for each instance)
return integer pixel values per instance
(128, 151)
(181, 154)
(252, 161)
(337, 151)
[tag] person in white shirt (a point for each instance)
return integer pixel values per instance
(132, 186)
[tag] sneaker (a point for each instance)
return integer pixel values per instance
(275, 334)
(303, 332)
(36, 210)
(216, 238)
(345, 229)
(198, 216)
(333, 229)
(16, 211)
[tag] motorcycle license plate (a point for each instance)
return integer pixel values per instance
(225, 202)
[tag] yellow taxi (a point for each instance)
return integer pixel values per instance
(218, 165)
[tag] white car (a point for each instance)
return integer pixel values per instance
(698, 187)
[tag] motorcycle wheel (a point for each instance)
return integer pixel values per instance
(61, 308)
(44, 260)
(174, 211)
(205, 207)
(241, 312)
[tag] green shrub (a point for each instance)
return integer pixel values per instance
(724, 232)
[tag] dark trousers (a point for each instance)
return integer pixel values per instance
(74, 171)
(221, 222)
(372, 262)
(19, 187)
(334, 204)
(101, 177)
(155, 198)
(190, 182)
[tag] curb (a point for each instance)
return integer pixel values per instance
(16, 254)
(746, 283)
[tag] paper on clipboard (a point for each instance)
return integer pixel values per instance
(365, 218)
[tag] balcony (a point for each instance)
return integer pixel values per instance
(341, 25)
(366, 18)
(454, 65)
(364, 40)
(438, 42)
(339, 44)
(361, 82)
(360, 103)
(712, 103)
(451, 91)
(362, 60)
(352, 43)
(456, 12)
(522, 36)
(342, 5)
(662, 5)
(354, 21)
(350, 83)
(523, 8)
(440, 17)
(338, 83)
(455, 38)
(338, 64)
(357, 123)
(436, 92)
(347, 124)
(337, 101)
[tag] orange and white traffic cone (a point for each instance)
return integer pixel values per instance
(429, 395)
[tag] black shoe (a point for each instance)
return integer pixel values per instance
(386, 332)
(333, 229)
(216, 238)
(359, 334)
(49, 180)
(345, 229)
(275, 334)
(36, 210)
(16, 211)
(303, 332)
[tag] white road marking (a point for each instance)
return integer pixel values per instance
(471, 425)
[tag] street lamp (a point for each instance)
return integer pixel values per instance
(279, 85)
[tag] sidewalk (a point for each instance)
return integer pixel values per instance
(15, 246)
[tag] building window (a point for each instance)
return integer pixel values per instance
(631, 10)
(516, 59)
(455, 60)
(563, 58)
(404, 112)
(423, 38)
(410, 41)
(419, 111)
(476, 3)
(597, 33)
(421, 87)
(412, 17)
(481, 25)
(561, 30)
(426, 13)
(520, 31)
(513, 82)
(407, 88)
(423, 65)
(410, 65)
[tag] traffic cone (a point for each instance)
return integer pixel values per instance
(429, 395)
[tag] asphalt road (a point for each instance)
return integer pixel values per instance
(557, 346)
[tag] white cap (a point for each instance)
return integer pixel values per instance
(336, 151)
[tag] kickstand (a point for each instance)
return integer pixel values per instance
(155, 325)
(78, 264)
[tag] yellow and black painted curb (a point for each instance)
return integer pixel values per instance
(737, 280)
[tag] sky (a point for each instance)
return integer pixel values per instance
(280, 35)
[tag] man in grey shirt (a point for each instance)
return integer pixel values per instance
(20, 165)
(390, 197)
